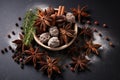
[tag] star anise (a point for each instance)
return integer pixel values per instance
(50, 10)
(80, 12)
(43, 20)
(33, 55)
(19, 43)
(50, 65)
(79, 62)
(86, 31)
(90, 47)
(66, 32)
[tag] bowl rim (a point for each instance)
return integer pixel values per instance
(61, 47)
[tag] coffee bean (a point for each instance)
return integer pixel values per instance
(2, 51)
(16, 24)
(10, 48)
(5, 49)
(9, 36)
(21, 28)
(19, 18)
(107, 38)
(13, 32)
(100, 34)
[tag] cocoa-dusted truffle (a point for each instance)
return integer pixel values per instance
(54, 42)
(44, 37)
(70, 17)
(54, 31)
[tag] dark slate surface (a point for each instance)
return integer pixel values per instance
(105, 11)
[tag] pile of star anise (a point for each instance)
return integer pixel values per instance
(42, 60)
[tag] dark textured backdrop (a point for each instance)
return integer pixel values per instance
(105, 11)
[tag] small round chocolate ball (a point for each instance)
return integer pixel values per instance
(54, 31)
(44, 37)
(54, 42)
(70, 17)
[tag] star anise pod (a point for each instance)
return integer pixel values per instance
(19, 43)
(66, 32)
(80, 12)
(50, 10)
(50, 65)
(90, 47)
(33, 55)
(86, 31)
(79, 62)
(43, 20)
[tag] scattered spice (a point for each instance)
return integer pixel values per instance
(43, 20)
(21, 28)
(13, 51)
(59, 26)
(22, 33)
(111, 44)
(88, 22)
(19, 18)
(100, 34)
(86, 31)
(9, 36)
(79, 62)
(16, 24)
(19, 42)
(80, 12)
(50, 10)
(5, 49)
(22, 65)
(105, 25)
(10, 48)
(96, 22)
(33, 55)
(66, 32)
(72, 69)
(95, 30)
(50, 65)
(90, 47)
(13, 32)
(107, 38)
(2, 51)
